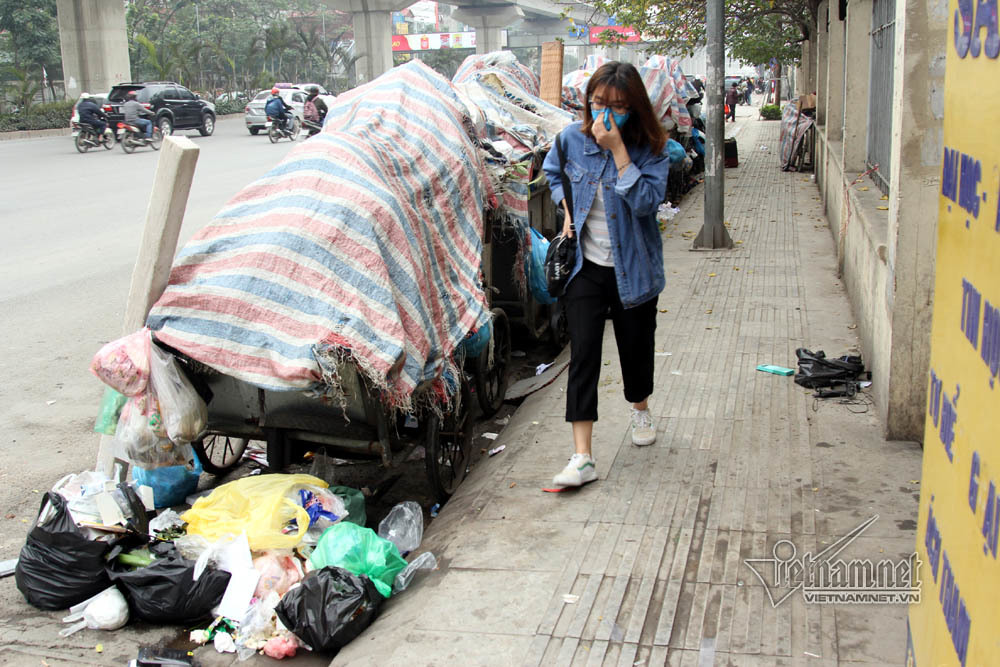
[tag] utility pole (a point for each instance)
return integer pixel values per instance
(713, 232)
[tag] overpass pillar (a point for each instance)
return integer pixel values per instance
(94, 45)
(372, 33)
(489, 22)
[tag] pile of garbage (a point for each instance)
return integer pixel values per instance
(267, 563)
(264, 564)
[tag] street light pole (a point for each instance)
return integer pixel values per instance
(713, 232)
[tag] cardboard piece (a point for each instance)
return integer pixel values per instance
(550, 89)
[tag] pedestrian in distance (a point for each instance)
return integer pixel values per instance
(731, 96)
(617, 168)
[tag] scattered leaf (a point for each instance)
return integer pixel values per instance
(512, 485)
(882, 208)
(708, 312)
(664, 310)
(711, 275)
(914, 481)
(736, 268)
(99, 648)
(864, 189)
(815, 488)
(11, 516)
(884, 197)
(852, 326)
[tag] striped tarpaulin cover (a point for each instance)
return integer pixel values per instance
(363, 244)
(506, 94)
(502, 63)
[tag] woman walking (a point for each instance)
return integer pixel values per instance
(617, 170)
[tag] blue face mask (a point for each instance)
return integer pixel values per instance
(620, 118)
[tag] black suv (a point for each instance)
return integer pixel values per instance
(174, 107)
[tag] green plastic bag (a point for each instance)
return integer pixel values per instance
(354, 501)
(359, 550)
(111, 408)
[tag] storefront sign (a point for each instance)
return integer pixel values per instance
(627, 34)
(955, 622)
(433, 41)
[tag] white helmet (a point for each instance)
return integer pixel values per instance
(84, 96)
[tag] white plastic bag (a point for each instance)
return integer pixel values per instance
(425, 561)
(403, 526)
(184, 413)
(106, 611)
(140, 433)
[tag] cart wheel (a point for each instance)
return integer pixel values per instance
(279, 454)
(219, 453)
(449, 447)
(491, 380)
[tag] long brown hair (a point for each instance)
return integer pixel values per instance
(642, 126)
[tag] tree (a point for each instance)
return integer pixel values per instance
(32, 39)
(158, 59)
(756, 30)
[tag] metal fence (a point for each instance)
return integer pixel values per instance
(880, 92)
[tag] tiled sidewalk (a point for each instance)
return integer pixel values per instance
(645, 566)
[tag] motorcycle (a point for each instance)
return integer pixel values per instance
(277, 130)
(85, 137)
(312, 127)
(131, 137)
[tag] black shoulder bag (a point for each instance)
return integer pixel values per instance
(561, 256)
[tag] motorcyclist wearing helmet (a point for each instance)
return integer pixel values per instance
(277, 108)
(134, 111)
(91, 114)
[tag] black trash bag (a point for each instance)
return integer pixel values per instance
(816, 371)
(330, 608)
(58, 566)
(166, 592)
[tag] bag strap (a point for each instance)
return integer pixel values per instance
(567, 190)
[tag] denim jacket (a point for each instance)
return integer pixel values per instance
(630, 203)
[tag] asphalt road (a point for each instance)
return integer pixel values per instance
(69, 231)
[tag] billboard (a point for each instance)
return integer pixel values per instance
(433, 41)
(955, 622)
(630, 35)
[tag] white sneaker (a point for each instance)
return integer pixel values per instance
(577, 472)
(643, 429)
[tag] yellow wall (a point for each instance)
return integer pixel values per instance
(957, 620)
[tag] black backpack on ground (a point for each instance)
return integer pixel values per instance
(816, 371)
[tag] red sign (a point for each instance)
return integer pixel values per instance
(629, 34)
(434, 41)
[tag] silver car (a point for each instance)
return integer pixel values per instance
(256, 118)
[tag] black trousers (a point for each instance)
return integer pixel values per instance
(589, 296)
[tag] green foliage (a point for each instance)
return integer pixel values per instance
(23, 89)
(770, 112)
(41, 117)
(756, 30)
(236, 45)
(223, 108)
(33, 34)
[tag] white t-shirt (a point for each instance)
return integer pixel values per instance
(595, 238)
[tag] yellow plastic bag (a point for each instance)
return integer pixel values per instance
(260, 505)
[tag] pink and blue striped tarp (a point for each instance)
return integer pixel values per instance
(364, 244)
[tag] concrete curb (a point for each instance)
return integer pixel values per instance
(64, 131)
(34, 134)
